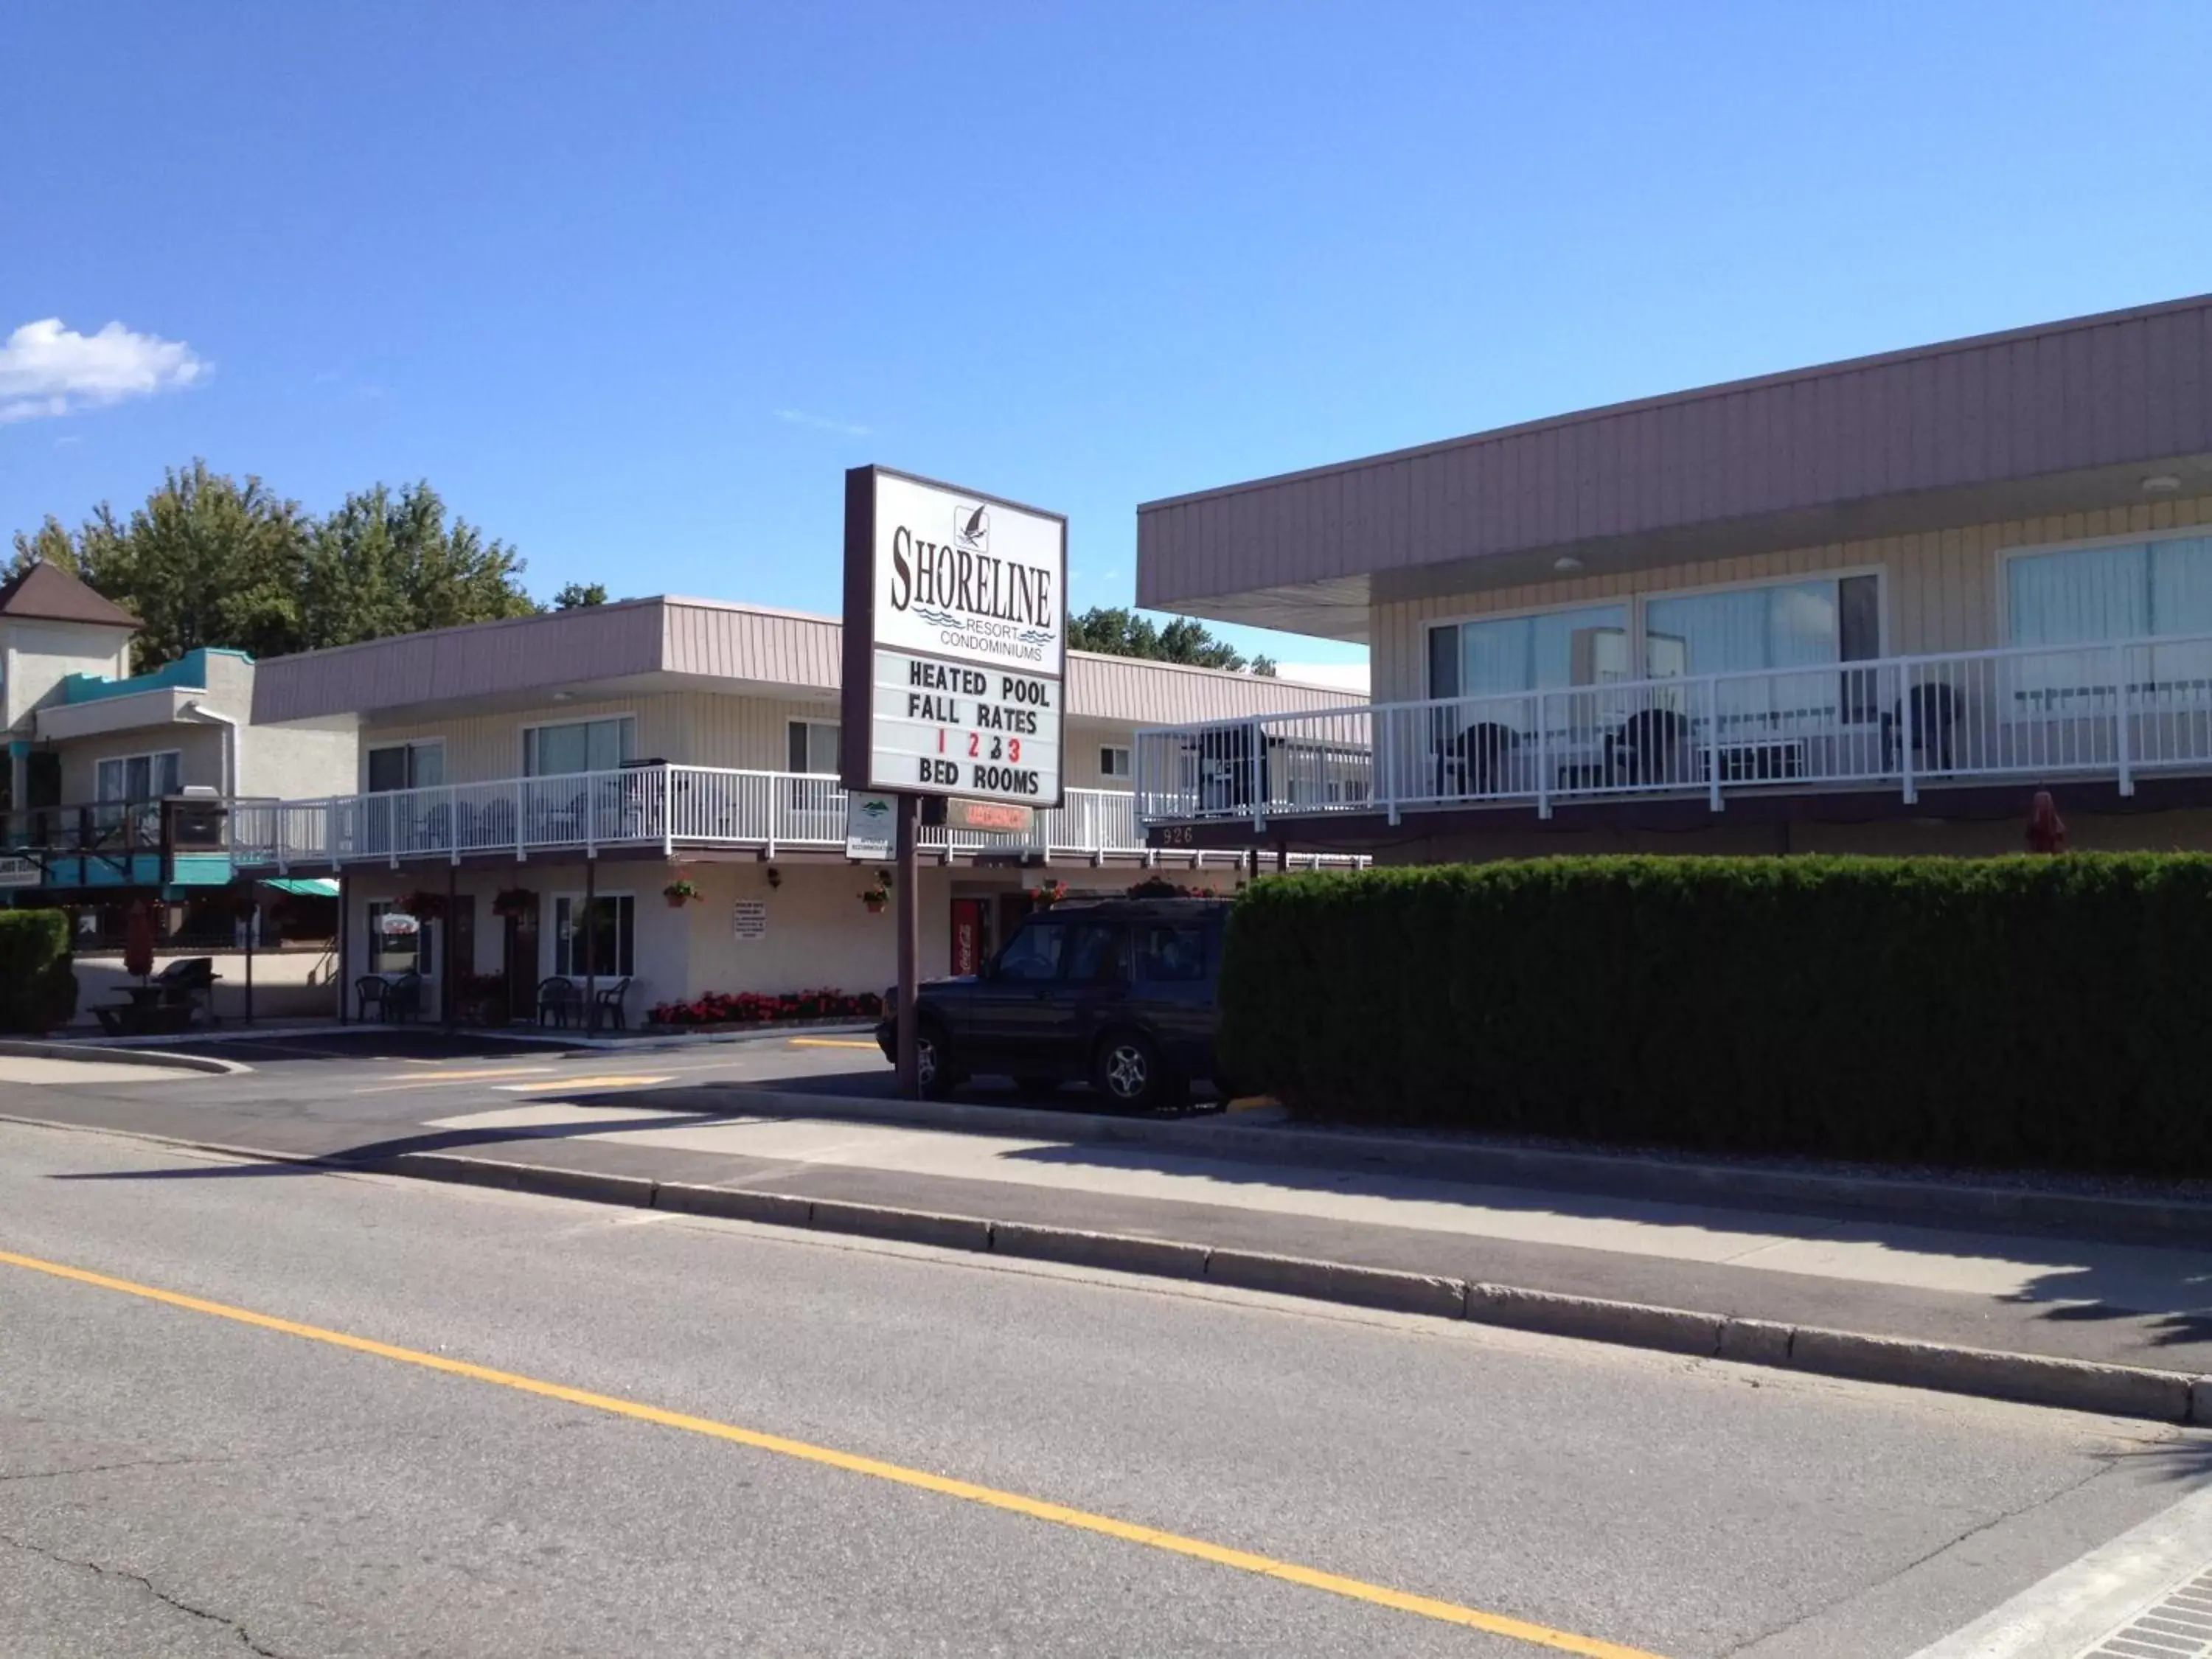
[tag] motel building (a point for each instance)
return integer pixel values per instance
(1868, 607)
(528, 790)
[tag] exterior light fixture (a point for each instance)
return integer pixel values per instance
(1566, 564)
(2160, 483)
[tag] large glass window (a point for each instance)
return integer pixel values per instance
(1034, 953)
(614, 935)
(1500, 656)
(578, 746)
(2142, 590)
(811, 746)
(406, 766)
(140, 777)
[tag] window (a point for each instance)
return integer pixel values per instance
(614, 935)
(406, 766)
(1495, 656)
(1113, 762)
(140, 777)
(2143, 590)
(1098, 953)
(1170, 951)
(811, 746)
(397, 940)
(578, 746)
(1033, 953)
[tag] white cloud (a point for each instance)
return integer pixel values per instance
(820, 423)
(46, 369)
(1344, 676)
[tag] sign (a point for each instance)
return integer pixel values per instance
(396, 922)
(870, 827)
(999, 818)
(749, 919)
(955, 642)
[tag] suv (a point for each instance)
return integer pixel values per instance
(1119, 992)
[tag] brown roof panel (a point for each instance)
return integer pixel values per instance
(47, 592)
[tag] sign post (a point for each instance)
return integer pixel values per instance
(955, 665)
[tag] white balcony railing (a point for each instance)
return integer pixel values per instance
(2110, 712)
(673, 807)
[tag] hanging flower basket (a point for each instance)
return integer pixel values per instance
(513, 902)
(1049, 894)
(877, 893)
(422, 904)
(681, 892)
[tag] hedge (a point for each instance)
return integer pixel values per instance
(38, 989)
(2046, 1011)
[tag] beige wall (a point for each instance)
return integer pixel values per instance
(1940, 589)
(691, 728)
(35, 656)
(299, 762)
(200, 750)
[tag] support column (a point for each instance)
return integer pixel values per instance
(590, 1010)
(448, 998)
(906, 897)
(344, 975)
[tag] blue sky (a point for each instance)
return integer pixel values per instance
(632, 284)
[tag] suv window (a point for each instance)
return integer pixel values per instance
(1099, 951)
(1033, 953)
(1170, 951)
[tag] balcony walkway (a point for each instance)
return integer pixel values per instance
(2113, 714)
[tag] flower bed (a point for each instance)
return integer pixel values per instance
(720, 1009)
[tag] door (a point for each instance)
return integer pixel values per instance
(522, 962)
(1010, 1008)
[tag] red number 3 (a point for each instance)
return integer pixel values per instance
(1015, 753)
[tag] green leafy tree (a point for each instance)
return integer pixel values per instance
(577, 595)
(387, 562)
(207, 561)
(1120, 632)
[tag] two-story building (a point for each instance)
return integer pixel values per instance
(1870, 606)
(528, 790)
(114, 781)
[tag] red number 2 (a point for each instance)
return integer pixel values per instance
(974, 745)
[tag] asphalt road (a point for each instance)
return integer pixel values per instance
(177, 1480)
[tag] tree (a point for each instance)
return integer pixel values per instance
(212, 561)
(207, 561)
(576, 595)
(1119, 632)
(384, 563)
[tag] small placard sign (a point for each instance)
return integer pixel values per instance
(749, 919)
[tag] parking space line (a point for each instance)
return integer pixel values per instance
(833, 1043)
(615, 1082)
(1356, 1589)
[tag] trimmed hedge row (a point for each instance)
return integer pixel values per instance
(38, 989)
(2016, 1011)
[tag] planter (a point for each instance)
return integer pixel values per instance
(875, 906)
(677, 901)
(489, 1012)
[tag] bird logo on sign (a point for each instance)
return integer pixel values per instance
(971, 529)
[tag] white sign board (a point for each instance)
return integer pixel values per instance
(955, 642)
(749, 919)
(870, 827)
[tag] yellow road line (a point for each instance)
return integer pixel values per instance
(1356, 1589)
(627, 1081)
(444, 1078)
(832, 1043)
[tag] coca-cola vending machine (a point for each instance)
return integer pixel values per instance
(968, 945)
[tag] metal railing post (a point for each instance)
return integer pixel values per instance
(1908, 729)
(2123, 748)
(1386, 765)
(1543, 762)
(667, 812)
(1713, 745)
(1256, 775)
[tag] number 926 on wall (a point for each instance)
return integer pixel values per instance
(961, 729)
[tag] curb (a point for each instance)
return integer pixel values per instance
(2029, 1379)
(1950, 1206)
(152, 1058)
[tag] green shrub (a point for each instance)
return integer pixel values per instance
(2024, 1010)
(38, 989)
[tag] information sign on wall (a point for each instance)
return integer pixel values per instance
(749, 919)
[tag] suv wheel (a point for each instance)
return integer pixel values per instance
(933, 1062)
(1130, 1071)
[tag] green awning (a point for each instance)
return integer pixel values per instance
(306, 886)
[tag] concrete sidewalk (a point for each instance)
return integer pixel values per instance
(2019, 1291)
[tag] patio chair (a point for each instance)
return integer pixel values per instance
(559, 998)
(607, 1005)
(1651, 746)
(1934, 712)
(1478, 762)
